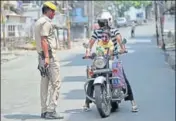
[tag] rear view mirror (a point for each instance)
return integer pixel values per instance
(124, 41)
(85, 45)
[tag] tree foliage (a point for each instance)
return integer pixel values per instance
(139, 4)
(125, 5)
(98, 7)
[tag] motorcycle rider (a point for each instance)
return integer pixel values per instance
(116, 39)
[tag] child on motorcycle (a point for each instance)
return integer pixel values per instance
(105, 43)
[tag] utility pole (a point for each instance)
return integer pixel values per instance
(92, 13)
(161, 11)
(90, 17)
(68, 25)
(3, 17)
(85, 14)
(156, 21)
(159, 25)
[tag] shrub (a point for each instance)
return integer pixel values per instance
(33, 42)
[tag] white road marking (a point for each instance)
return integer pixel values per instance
(133, 41)
(131, 51)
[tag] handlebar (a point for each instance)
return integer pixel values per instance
(87, 57)
(91, 57)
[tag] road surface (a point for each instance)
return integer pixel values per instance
(152, 81)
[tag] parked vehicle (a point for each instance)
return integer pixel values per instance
(121, 22)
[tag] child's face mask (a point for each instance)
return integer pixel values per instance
(105, 38)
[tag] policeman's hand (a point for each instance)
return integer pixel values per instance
(47, 62)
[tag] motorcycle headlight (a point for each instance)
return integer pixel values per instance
(100, 63)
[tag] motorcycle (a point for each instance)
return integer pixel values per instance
(108, 82)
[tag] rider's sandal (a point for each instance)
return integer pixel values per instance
(134, 108)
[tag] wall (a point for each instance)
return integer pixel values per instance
(78, 24)
(13, 19)
(16, 26)
(169, 22)
(78, 16)
(77, 32)
(133, 11)
(60, 20)
(16, 19)
(35, 13)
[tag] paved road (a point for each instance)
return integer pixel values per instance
(152, 80)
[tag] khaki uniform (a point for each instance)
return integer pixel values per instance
(43, 27)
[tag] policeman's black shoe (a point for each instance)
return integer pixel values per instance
(53, 115)
(43, 115)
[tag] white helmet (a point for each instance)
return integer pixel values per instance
(108, 16)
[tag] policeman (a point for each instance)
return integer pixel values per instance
(48, 64)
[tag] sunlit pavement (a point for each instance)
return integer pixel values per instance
(152, 81)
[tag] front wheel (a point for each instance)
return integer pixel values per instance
(103, 104)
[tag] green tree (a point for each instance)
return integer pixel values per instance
(139, 4)
(125, 5)
(98, 7)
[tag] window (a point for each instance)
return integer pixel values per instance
(11, 30)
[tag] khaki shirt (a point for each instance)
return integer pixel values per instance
(44, 27)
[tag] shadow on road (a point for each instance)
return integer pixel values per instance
(93, 114)
(74, 94)
(73, 111)
(22, 117)
(77, 61)
(80, 115)
(74, 79)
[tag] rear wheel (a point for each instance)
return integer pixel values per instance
(101, 101)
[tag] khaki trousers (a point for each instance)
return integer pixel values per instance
(50, 87)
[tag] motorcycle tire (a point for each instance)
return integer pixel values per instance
(99, 100)
(114, 106)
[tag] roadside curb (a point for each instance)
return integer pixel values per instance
(74, 44)
(170, 58)
(9, 55)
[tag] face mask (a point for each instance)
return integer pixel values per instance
(105, 38)
(52, 14)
